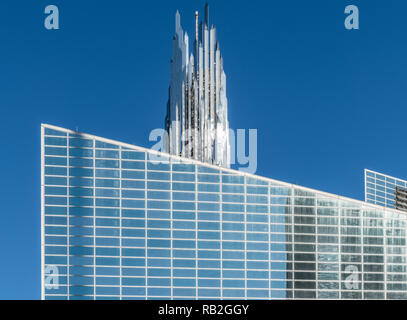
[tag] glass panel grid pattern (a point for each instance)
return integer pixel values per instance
(381, 189)
(116, 225)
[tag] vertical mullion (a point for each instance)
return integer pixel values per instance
(385, 254)
(362, 235)
(269, 238)
(42, 215)
(196, 232)
(245, 238)
(94, 222)
(171, 232)
(145, 225)
(292, 243)
(220, 235)
(365, 186)
(121, 224)
(340, 246)
(316, 247)
(67, 219)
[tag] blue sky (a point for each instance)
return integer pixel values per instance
(327, 102)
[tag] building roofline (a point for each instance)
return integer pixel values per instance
(385, 175)
(188, 160)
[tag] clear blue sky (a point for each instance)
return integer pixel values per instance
(327, 102)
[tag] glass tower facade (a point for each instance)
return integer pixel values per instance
(116, 224)
(385, 190)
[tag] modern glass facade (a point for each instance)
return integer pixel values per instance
(385, 190)
(116, 225)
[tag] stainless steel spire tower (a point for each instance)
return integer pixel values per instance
(197, 121)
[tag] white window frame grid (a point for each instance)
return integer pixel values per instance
(357, 205)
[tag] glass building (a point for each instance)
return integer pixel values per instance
(385, 190)
(118, 224)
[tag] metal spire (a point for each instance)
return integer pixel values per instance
(196, 120)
